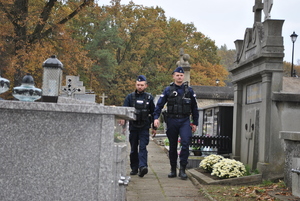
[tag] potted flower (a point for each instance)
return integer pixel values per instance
(197, 150)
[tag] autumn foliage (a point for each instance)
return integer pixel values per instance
(107, 46)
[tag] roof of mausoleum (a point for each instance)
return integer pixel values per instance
(213, 92)
(290, 85)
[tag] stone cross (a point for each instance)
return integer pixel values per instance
(257, 8)
(249, 135)
(267, 8)
(103, 98)
(73, 86)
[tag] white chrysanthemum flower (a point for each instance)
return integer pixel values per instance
(208, 162)
(228, 168)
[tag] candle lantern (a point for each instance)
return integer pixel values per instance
(52, 79)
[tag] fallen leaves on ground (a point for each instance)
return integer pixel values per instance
(248, 193)
(261, 192)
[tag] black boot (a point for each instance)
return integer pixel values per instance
(143, 171)
(134, 172)
(182, 173)
(173, 172)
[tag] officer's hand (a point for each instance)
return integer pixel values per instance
(194, 128)
(153, 132)
(156, 123)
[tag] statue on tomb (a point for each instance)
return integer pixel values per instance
(183, 59)
(267, 8)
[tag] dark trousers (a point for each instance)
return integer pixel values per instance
(139, 139)
(179, 127)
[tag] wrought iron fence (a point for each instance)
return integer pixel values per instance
(213, 144)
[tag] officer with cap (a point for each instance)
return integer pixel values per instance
(139, 128)
(181, 103)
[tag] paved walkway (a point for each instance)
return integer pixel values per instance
(156, 186)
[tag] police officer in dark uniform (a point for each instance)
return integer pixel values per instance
(181, 103)
(139, 129)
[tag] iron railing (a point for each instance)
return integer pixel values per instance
(220, 144)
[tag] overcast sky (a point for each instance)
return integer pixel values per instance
(225, 21)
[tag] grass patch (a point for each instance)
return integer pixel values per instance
(249, 171)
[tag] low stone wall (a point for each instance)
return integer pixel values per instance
(292, 160)
(119, 170)
(60, 151)
(203, 179)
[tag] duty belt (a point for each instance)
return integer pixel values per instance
(177, 116)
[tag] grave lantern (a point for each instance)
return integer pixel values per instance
(27, 92)
(4, 85)
(52, 79)
(217, 82)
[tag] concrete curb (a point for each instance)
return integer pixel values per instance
(200, 186)
(248, 180)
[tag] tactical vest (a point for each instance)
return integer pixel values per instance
(142, 109)
(179, 106)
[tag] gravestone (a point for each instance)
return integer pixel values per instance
(74, 89)
(256, 74)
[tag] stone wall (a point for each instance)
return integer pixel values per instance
(60, 151)
(292, 161)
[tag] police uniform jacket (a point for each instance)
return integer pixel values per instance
(139, 98)
(180, 90)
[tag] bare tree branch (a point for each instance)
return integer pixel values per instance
(9, 16)
(63, 21)
(44, 17)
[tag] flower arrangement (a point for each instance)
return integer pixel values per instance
(228, 168)
(208, 162)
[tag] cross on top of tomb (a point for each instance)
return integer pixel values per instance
(266, 6)
(257, 8)
(73, 86)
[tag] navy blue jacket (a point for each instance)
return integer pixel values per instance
(180, 90)
(129, 103)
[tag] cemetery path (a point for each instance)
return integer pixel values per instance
(157, 186)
